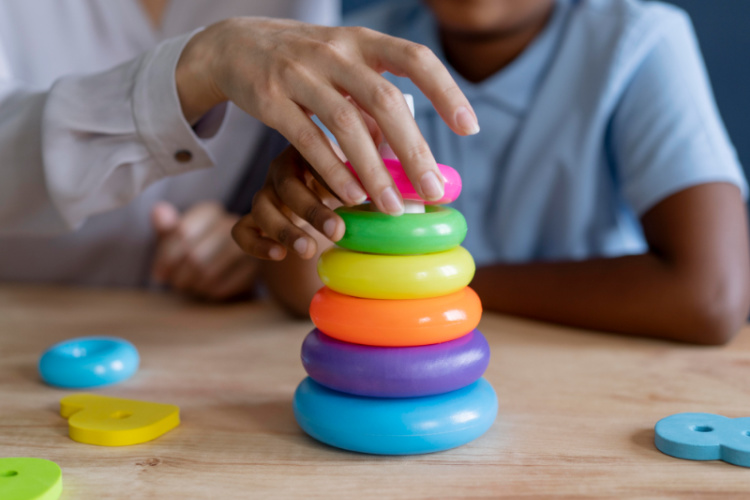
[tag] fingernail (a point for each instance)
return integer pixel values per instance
(329, 228)
(355, 192)
(391, 201)
(300, 246)
(465, 119)
(276, 253)
(431, 186)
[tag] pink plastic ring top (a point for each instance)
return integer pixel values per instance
(404, 185)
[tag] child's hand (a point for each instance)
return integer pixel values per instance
(291, 201)
(195, 253)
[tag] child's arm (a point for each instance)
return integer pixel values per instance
(293, 281)
(693, 285)
(288, 245)
(672, 165)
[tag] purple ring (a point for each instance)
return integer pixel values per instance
(395, 372)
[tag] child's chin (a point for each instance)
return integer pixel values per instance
(484, 18)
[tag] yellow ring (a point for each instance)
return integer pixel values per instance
(373, 276)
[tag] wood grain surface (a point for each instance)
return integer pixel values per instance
(577, 409)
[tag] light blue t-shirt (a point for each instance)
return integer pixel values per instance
(608, 112)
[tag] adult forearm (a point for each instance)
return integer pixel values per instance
(637, 295)
(91, 142)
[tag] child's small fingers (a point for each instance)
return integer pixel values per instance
(248, 237)
(302, 201)
(277, 226)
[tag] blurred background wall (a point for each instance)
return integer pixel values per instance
(723, 28)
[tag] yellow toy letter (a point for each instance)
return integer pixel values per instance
(106, 421)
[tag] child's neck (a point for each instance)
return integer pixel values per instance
(477, 56)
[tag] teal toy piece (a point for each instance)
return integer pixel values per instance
(402, 426)
(436, 230)
(29, 479)
(89, 362)
(705, 436)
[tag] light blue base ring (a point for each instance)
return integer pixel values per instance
(403, 426)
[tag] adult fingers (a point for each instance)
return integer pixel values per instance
(221, 264)
(387, 105)
(345, 122)
(241, 279)
(192, 226)
(174, 245)
(372, 125)
(312, 143)
(421, 65)
(164, 217)
(201, 257)
(199, 219)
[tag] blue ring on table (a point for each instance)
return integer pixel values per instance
(402, 426)
(89, 362)
(395, 372)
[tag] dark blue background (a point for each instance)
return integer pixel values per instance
(723, 28)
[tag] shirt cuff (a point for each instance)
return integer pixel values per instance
(158, 117)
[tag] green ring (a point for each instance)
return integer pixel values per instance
(438, 229)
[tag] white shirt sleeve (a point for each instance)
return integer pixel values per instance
(92, 142)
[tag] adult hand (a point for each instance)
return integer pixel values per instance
(282, 72)
(195, 253)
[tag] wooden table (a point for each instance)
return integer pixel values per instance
(577, 409)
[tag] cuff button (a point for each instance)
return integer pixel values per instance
(183, 156)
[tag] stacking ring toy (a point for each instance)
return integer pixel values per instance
(395, 372)
(404, 185)
(436, 230)
(395, 323)
(88, 362)
(373, 276)
(401, 426)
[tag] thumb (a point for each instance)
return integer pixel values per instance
(164, 217)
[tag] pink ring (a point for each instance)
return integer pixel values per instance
(404, 185)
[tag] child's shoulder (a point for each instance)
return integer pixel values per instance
(644, 21)
(627, 10)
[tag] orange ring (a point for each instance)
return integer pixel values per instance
(396, 323)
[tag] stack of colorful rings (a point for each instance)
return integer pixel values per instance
(395, 364)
